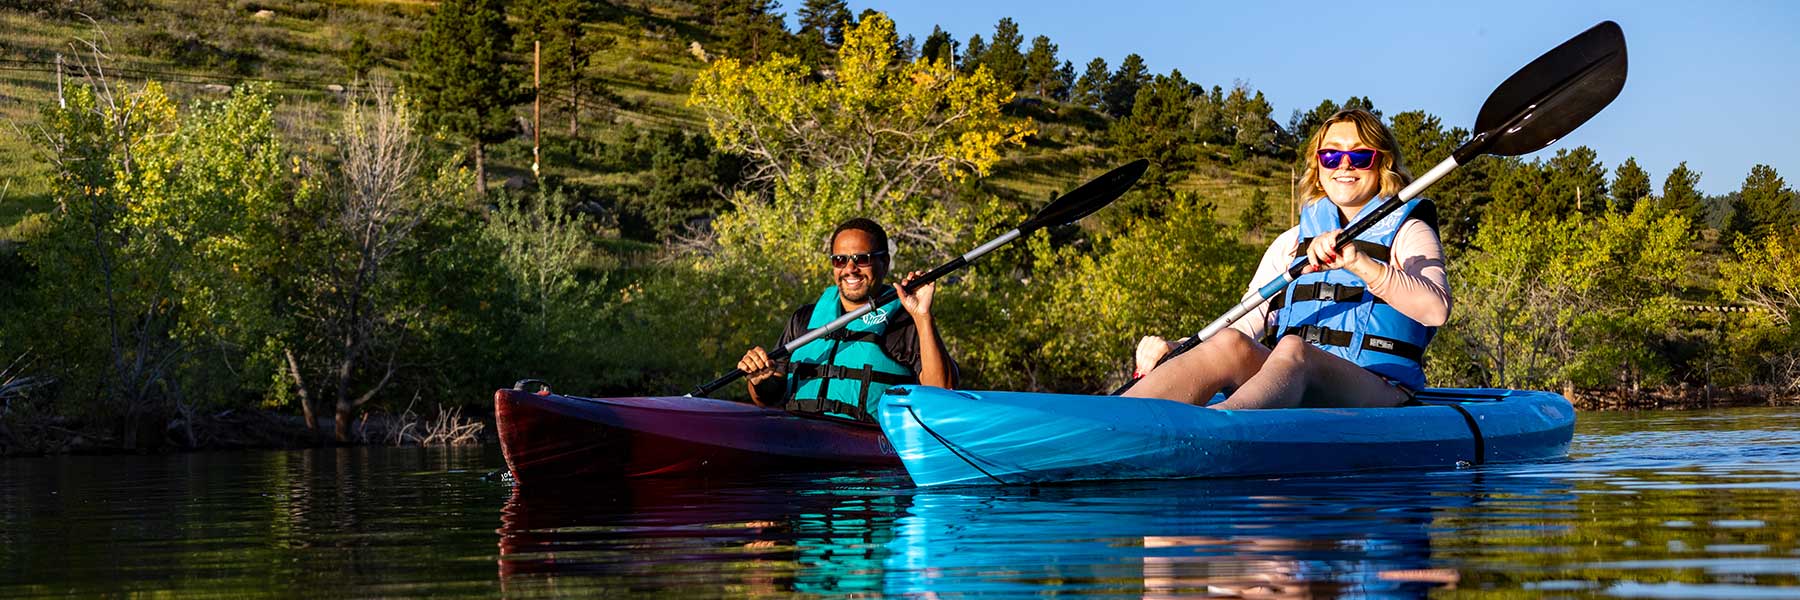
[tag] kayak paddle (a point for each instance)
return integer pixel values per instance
(1068, 208)
(1538, 105)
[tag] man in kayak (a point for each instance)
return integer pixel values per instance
(844, 373)
(1352, 330)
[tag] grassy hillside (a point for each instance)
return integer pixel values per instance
(646, 63)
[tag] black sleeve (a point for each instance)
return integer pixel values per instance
(902, 345)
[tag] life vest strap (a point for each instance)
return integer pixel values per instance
(1326, 336)
(845, 335)
(864, 374)
(1320, 290)
(821, 406)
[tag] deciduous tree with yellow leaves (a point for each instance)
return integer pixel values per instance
(906, 127)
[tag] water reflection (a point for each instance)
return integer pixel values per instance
(1650, 505)
(769, 536)
(1305, 537)
(326, 522)
(1264, 538)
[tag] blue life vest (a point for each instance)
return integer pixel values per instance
(1332, 310)
(841, 373)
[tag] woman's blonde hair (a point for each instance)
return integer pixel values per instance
(1375, 135)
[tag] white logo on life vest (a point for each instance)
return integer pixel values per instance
(877, 317)
(1389, 222)
(1380, 344)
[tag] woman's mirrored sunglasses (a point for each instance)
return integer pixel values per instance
(1360, 158)
(862, 259)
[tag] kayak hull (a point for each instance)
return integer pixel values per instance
(548, 437)
(986, 438)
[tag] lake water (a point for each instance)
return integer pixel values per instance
(1650, 505)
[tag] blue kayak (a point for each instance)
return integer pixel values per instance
(986, 438)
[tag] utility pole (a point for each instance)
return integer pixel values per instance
(1293, 196)
(537, 102)
(61, 102)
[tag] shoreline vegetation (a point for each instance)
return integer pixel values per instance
(242, 429)
(249, 224)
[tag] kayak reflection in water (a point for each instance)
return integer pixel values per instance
(1282, 574)
(844, 373)
(1352, 330)
(1329, 537)
(755, 536)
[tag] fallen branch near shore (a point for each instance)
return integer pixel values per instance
(447, 427)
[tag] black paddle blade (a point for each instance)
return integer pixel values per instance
(1091, 196)
(1552, 96)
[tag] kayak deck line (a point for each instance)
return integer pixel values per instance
(951, 447)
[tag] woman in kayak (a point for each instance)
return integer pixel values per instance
(1352, 330)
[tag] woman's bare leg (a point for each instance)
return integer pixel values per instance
(1227, 359)
(1298, 374)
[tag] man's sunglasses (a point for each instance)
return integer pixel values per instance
(862, 259)
(1360, 158)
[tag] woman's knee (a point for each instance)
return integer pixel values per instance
(1232, 343)
(1291, 351)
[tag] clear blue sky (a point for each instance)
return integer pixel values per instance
(1711, 83)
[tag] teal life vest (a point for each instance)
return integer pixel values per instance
(843, 373)
(1332, 310)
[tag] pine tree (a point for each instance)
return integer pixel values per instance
(749, 30)
(1680, 195)
(1577, 182)
(822, 24)
(906, 50)
(565, 45)
(1631, 184)
(1247, 121)
(1255, 217)
(1065, 81)
(1122, 87)
(1154, 128)
(1304, 124)
(1764, 204)
(1363, 103)
(1206, 117)
(1090, 90)
(974, 53)
(1423, 142)
(1518, 187)
(1040, 67)
(825, 18)
(463, 84)
(1256, 131)
(1003, 57)
(939, 46)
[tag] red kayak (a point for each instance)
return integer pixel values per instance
(548, 436)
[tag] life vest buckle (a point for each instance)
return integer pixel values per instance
(1312, 333)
